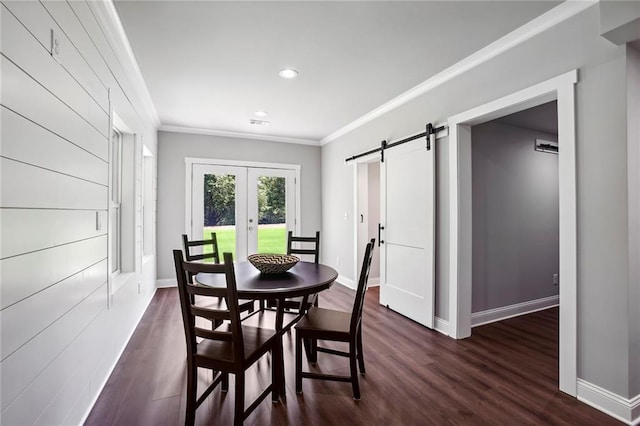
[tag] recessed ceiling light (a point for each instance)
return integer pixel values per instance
(288, 73)
(261, 113)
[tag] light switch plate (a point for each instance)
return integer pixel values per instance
(55, 45)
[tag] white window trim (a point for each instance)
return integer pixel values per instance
(116, 279)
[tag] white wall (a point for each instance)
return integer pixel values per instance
(173, 148)
(60, 338)
(633, 141)
(603, 341)
(515, 217)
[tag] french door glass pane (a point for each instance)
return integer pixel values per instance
(272, 214)
(220, 212)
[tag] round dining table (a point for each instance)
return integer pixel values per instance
(303, 279)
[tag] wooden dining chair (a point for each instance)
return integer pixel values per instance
(231, 348)
(303, 246)
(210, 256)
(337, 326)
(293, 248)
(295, 305)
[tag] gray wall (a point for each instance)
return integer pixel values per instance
(603, 342)
(173, 148)
(515, 216)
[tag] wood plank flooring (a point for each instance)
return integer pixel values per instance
(505, 374)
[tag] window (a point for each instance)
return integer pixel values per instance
(116, 202)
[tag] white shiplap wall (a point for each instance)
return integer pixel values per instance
(62, 330)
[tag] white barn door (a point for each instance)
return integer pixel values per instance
(407, 237)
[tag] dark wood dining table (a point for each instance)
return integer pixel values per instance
(304, 279)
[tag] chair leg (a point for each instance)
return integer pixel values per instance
(299, 362)
(307, 349)
(354, 370)
(239, 402)
(360, 352)
(314, 351)
(192, 389)
(224, 386)
(275, 379)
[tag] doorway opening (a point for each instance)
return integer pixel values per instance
(561, 89)
(249, 206)
(367, 216)
(515, 215)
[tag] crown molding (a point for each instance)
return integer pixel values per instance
(237, 135)
(108, 19)
(529, 30)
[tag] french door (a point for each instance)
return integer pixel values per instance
(249, 208)
(407, 233)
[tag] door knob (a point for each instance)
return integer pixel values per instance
(380, 229)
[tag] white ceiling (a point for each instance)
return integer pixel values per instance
(210, 64)
(543, 118)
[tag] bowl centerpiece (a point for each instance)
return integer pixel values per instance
(273, 263)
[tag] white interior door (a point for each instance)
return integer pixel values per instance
(407, 214)
(249, 208)
(271, 204)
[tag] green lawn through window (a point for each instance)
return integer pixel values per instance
(271, 238)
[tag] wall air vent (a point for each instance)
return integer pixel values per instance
(256, 122)
(546, 146)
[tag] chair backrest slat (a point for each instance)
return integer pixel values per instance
(226, 336)
(358, 303)
(210, 314)
(193, 308)
(297, 249)
(213, 242)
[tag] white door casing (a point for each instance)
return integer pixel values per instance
(407, 242)
(460, 254)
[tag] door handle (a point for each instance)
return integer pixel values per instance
(380, 228)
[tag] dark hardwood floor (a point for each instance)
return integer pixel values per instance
(505, 374)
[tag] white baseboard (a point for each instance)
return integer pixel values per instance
(166, 282)
(346, 282)
(623, 409)
(441, 326)
(504, 312)
(374, 282)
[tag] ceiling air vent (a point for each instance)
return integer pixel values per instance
(256, 122)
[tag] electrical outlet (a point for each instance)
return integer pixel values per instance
(556, 279)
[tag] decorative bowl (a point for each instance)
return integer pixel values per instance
(273, 263)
